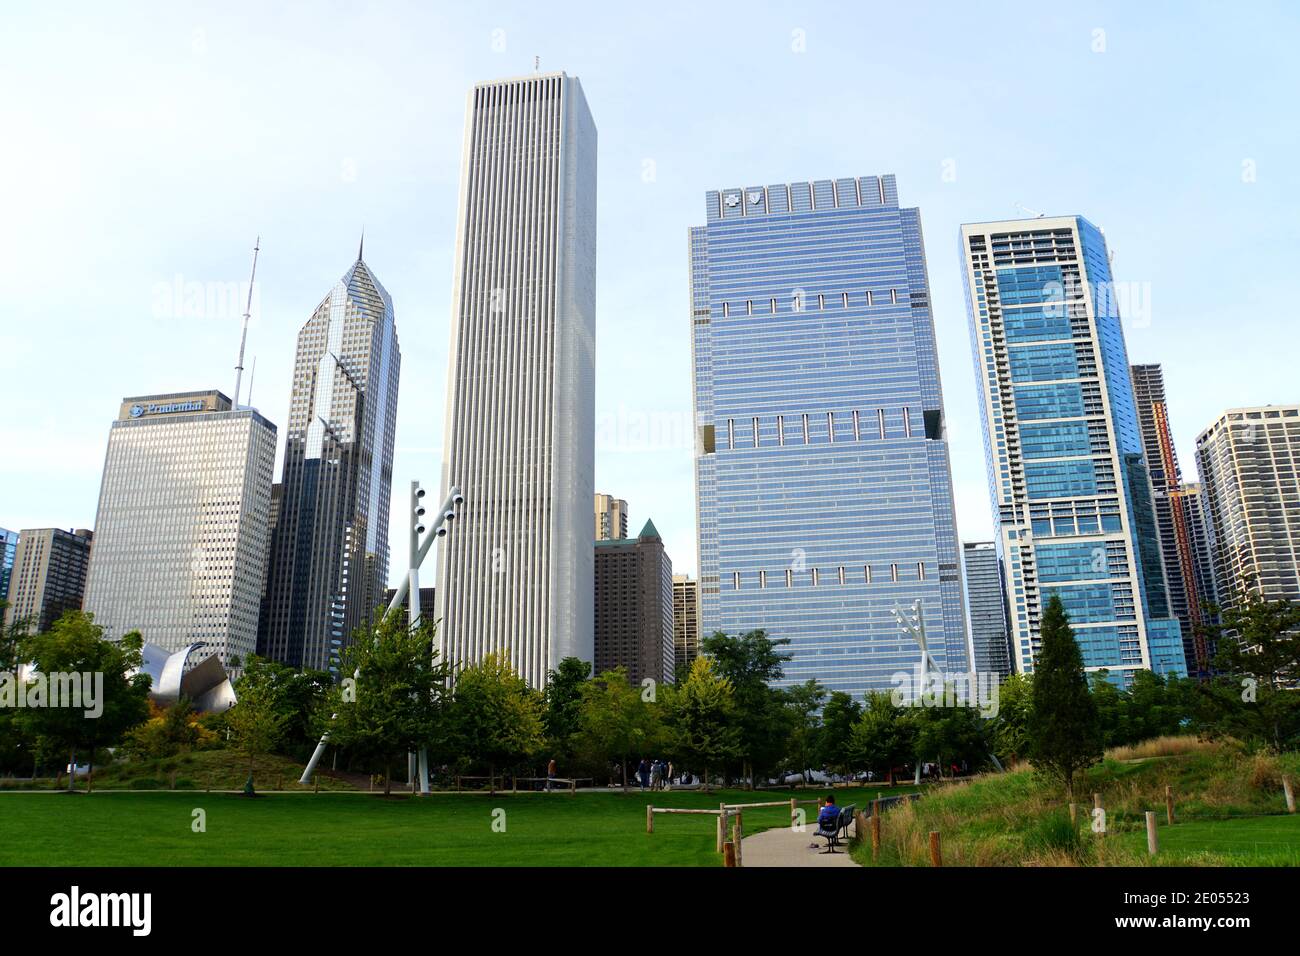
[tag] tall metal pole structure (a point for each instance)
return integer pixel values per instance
(248, 311)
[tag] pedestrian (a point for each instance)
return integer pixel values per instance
(550, 774)
(643, 773)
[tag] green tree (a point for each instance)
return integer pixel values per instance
(564, 705)
(803, 704)
(1064, 734)
(752, 663)
(168, 731)
(701, 717)
(1112, 709)
(256, 726)
(495, 718)
(297, 695)
(883, 737)
(616, 721)
(839, 716)
(17, 749)
(950, 735)
(394, 703)
(1010, 731)
(75, 645)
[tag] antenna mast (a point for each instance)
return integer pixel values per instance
(248, 310)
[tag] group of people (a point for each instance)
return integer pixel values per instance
(655, 774)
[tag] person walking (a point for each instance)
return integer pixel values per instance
(550, 774)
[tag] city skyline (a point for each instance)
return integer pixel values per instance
(130, 297)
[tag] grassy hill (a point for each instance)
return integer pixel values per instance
(201, 770)
(1229, 810)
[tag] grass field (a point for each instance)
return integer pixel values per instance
(1249, 841)
(359, 829)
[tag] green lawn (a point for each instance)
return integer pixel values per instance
(359, 829)
(1247, 841)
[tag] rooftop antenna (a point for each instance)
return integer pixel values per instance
(537, 64)
(248, 310)
(252, 374)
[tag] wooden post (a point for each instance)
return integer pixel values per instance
(737, 835)
(1169, 805)
(1288, 793)
(649, 818)
(875, 835)
(859, 824)
(1153, 842)
(728, 853)
(794, 811)
(1074, 814)
(573, 787)
(936, 854)
(722, 831)
(1096, 801)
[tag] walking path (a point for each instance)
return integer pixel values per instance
(787, 847)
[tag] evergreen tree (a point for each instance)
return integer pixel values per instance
(1064, 732)
(702, 719)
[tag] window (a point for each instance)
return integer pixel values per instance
(725, 310)
(893, 572)
(871, 299)
(755, 421)
(731, 433)
(821, 302)
(806, 440)
(907, 421)
(893, 297)
(857, 427)
(780, 430)
(830, 426)
(846, 299)
(762, 579)
(735, 580)
(880, 417)
(794, 302)
(772, 306)
(789, 578)
(749, 306)
(866, 574)
(920, 570)
(814, 577)
(841, 574)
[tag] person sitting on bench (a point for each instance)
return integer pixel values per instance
(828, 819)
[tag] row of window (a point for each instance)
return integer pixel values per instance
(799, 428)
(802, 302)
(841, 575)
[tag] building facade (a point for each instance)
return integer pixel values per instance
(48, 576)
(8, 551)
(428, 602)
(1188, 592)
(823, 485)
(611, 517)
(686, 620)
(986, 601)
(181, 531)
(329, 550)
(633, 613)
(1071, 495)
(515, 571)
(1249, 462)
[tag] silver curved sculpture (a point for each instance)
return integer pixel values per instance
(205, 684)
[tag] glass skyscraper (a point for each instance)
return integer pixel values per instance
(329, 548)
(986, 596)
(1071, 494)
(824, 491)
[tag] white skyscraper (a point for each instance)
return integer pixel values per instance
(181, 533)
(515, 575)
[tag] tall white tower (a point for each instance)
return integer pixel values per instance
(516, 577)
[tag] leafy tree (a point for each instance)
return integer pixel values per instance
(701, 717)
(883, 737)
(16, 748)
(564, 705)
(395, 702)
(168, 731)
(615, 721)
(1010, 731)
(839, 716)
(256, 725)
(803, 704)
(751, 663)
(297, 695)
(495, 718)
(1064, 733)
(951, 735)
(76, 645)
(1112, 709)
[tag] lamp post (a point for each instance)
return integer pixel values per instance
(913, 625)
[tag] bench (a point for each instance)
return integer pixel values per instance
(834, 836)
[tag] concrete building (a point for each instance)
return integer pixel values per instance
(1071, 496)
(611, 517)
(428, 602)
(48, 576)
(986, 601)
(1249, 461)
(686, 620)
(329, 552)
(634, 607)
(515, 571)
(181, 531)
(823, 484)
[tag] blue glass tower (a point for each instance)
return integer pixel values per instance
(824, 492)
(1071, 493)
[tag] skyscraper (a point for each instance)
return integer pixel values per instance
(515, 572)
(1067, 476)
(986, 597)
(1172, 512)
(823, 486)
(1249, 460)
(8, 550)
(48, 577)
(686, 621)
(329, 551)
(611, 517)
(181, 532)
(634, 607)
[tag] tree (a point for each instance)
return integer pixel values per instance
(256, 725)
(394, 703)
(563, 718)
(168, 731)
(951, 735)
(495, 718)
(298, 695)
(803, 704)
(74, 651)
(839, 716)
(701, 718)
(16, 748)
(1064, 733)
(883, 737)
(1112, 712)
(615, 720)
(1010, 731)
(751, 663)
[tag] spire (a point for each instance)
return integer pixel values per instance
(362, 248)
(649, 531)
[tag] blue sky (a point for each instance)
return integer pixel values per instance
(146, 145)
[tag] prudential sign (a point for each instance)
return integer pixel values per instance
(138, 411)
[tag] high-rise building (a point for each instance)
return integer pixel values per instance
(428, 603)
(329, 551)
(986, 597)
(1249, 460)
(686, 620)
(634, 607)
(824, 491)
(1178, 538)
(8, 549)
(611, 517)
(1067, 475)
(181, 532)
(48, 577)
(515, 571)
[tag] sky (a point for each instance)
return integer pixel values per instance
(145, 147)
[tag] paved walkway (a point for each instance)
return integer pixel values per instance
(787, 847)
